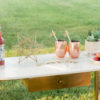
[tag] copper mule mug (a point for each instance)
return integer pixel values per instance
(61, 48)
(74, 49)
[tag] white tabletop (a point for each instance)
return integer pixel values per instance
(28, 69)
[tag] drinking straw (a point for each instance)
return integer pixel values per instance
(67, 34)
(53, 33)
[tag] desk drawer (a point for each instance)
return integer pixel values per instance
(57, 82)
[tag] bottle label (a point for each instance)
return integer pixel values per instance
(2, 53)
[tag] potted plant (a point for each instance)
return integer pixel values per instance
(92, 42)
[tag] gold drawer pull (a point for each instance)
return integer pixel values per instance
(60, 81)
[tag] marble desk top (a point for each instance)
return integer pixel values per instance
(28, 69)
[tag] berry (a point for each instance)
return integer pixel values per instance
(96, 58)
(94, 54)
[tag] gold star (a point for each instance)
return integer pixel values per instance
(27, 47)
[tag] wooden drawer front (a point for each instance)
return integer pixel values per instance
(56, 82)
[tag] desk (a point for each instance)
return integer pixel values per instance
(51, 76)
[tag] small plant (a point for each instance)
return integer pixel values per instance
(93, 36)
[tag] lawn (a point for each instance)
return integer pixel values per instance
(27, 17)
(41, 16)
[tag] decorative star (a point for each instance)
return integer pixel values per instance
(26, 47)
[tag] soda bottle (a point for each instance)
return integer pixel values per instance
(2, 52)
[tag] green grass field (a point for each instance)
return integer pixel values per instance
(27, 17)
(41, 16)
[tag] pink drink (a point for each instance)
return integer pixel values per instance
(74, 49)
(61, 48)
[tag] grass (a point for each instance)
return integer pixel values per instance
(15, 90)
(41, 16)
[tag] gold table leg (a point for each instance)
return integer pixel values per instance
(96, 83)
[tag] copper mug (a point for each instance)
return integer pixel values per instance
(61, 48)
(74, 49)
